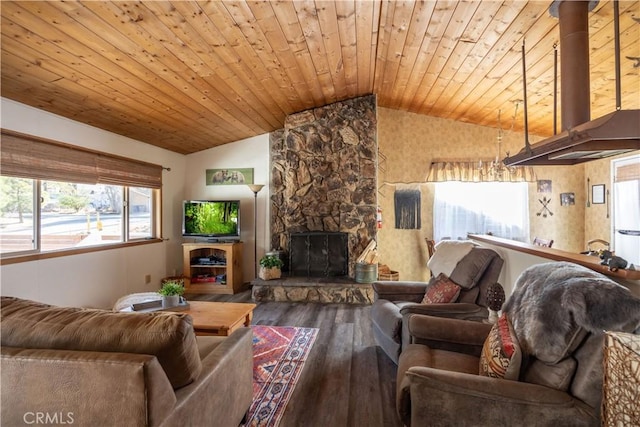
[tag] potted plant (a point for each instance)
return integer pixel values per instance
(171, 292)
(270, 267)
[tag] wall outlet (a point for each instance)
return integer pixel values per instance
(147, 279)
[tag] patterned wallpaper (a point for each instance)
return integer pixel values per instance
(409, 142)
(598, 217)
(597, 224)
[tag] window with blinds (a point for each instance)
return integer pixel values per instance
(627, 171)
(55, 197)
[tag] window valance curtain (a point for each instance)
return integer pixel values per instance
(477, 171)
(26, 156)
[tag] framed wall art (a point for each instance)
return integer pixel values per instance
(567, 199)
(544, 186)
(229, 176)
(597, 194)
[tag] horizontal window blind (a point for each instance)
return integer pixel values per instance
(26, 156)
(628, 172)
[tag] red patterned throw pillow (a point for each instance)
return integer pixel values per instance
(501, 356)
(441, 290)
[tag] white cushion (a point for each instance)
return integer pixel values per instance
(126, 302)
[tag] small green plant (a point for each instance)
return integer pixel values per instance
(271, 261)
(171, 287)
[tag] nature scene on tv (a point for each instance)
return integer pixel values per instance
(211, 218)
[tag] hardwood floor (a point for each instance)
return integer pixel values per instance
(347, 380)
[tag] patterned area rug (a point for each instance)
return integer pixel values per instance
(279, 354)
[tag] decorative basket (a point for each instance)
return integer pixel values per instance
(621, 385)
(391, 275)
(269, 273)
(385, 273)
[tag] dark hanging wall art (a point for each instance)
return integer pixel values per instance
(407, 209)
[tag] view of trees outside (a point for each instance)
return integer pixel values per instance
(72, 214)
(16, 214)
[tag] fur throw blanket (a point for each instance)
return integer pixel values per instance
(555, 304)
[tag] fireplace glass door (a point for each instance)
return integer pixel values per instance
(319, 254)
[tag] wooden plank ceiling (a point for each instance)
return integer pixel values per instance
(190, 75)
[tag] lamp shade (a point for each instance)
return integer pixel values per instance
(255, 187)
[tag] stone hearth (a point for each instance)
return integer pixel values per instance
(313, 289)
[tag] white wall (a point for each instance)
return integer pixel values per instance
(97, 279)
(248, 153)
(515, 262)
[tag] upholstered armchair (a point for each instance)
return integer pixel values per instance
(541, 364)
(472, 267)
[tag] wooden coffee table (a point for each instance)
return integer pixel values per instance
(219, 318)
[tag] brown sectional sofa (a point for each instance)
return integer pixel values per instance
(96, 367)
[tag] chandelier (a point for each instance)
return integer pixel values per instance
(497, 168)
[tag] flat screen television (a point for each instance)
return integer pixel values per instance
(214, 219)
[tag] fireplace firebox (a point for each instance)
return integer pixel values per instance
(319, 254)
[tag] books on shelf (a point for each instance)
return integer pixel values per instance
(205, 278)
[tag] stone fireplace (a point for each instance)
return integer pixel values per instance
(324, 180)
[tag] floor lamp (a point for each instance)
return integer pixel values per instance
(256, 189)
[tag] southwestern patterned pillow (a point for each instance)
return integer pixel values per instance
(501, 356)
(441, 290)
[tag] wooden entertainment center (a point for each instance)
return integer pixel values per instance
(212, 268)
